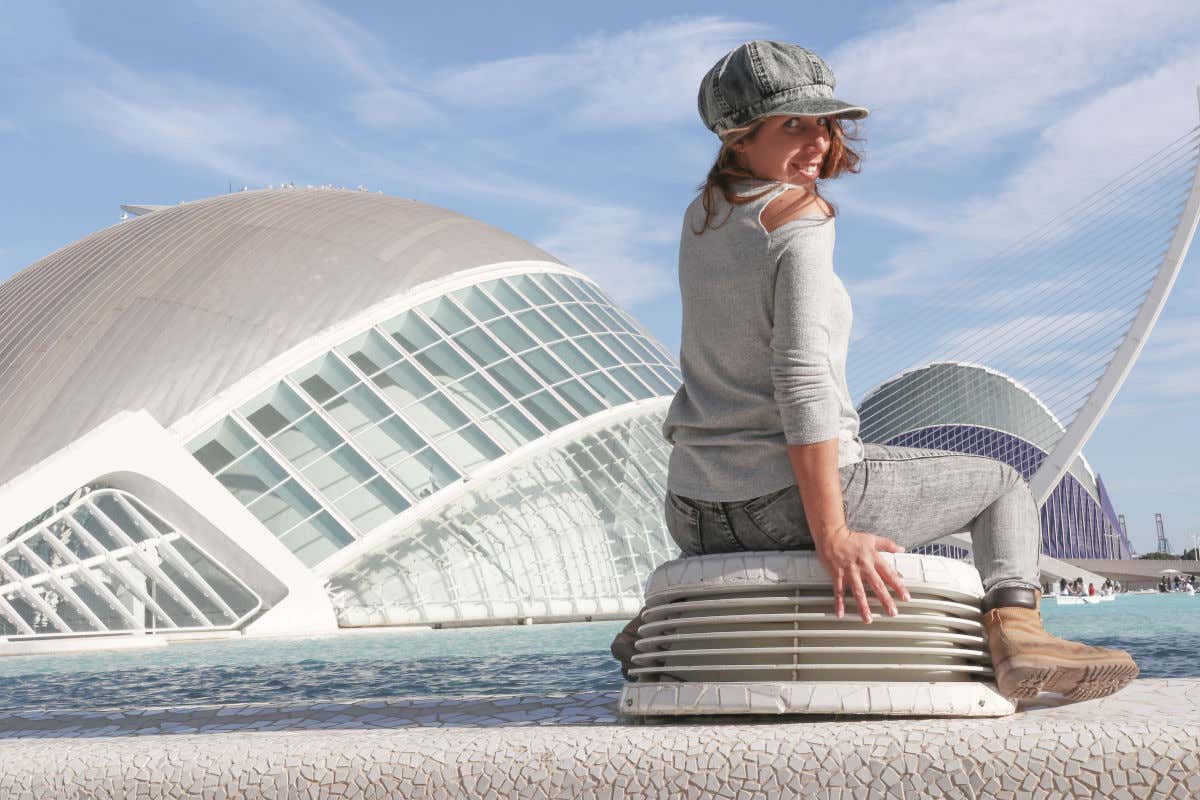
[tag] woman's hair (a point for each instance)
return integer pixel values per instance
(840, 158)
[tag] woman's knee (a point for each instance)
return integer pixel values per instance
(1011, 477)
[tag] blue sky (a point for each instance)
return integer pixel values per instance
(575, 127)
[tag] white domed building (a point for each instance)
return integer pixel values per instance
(292, 410)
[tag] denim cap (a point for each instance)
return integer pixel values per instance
(763, 78)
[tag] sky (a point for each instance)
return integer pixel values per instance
(574, 126)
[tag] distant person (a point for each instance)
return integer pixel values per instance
(1091, 589)
(1062, 586)
(766, 452)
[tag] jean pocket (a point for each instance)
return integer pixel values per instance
(778, 519)
(683, 523)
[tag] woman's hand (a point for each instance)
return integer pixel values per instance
(852, 558)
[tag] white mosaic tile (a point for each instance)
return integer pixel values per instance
(1136, 743)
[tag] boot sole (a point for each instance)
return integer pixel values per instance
(1023, 677)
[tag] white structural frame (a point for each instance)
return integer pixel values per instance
(1080, 430)
(140, 554)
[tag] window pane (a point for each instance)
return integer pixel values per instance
(592, 292)
(284, 506)
(515, 380)
(548, 411)
(626, 379)
(370, 352)
(597, 351)
(316, 539)
(469, 447)
(445, 365)
(402, 384)
(635, 343)
(252, 475)
(573, 357)
(510, 428)
(160, 525)
(357, 409)
(410, 331)
(371, 505)
(274, 409)
(424, 474)
(538, 325)
(477, 303)
(668, 378)
(446, 315)
(480, 346)
(551, 284)
(339, 472)
(624, 353)
(91, 523)
(435, 415)
(607, 388)
(391, 440)
(507, 297)
(590, 322)
(233, 593)
(526, 285)
(545, 366)
(651, 379)
(19, 564)
(71, 540)
(565, 322)
(220, 445)
(477, 395)
(117, 513)
(306, 441)
(606, 315)
(620, 319)
(573, 286)
(578, 397)
(324, 378)
(507, 331)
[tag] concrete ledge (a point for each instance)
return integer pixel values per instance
(1140, 743)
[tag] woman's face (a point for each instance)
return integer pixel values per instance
(790, 149)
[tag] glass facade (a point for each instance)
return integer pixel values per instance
(102, 561)
(1074, 523)
(363, 432)
(968, 408)
(561, 534)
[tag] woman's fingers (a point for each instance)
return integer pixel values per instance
(886, 545)
(839, 597)
(881, 591)
(860, 594)
(892, 578)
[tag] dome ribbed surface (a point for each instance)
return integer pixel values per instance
(166, 310)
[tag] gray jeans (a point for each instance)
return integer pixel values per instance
(908, 494)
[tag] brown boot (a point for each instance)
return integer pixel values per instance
(1027, 660)
(622, 646)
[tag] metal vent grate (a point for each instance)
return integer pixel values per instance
(764, 622)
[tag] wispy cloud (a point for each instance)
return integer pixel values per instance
(611, 243)
(381, 96)
(642, 77)
(1068, 160)
(956, 78)
(194, 124)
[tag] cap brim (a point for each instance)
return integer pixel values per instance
(819, 107)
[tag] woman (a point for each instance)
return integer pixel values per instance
(766, 453)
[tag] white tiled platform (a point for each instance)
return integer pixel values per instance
(1142, 743)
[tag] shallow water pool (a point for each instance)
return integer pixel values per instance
(1161, 631)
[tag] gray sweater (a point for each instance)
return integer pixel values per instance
(766, 325)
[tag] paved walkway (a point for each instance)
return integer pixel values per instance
(1141, 743)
